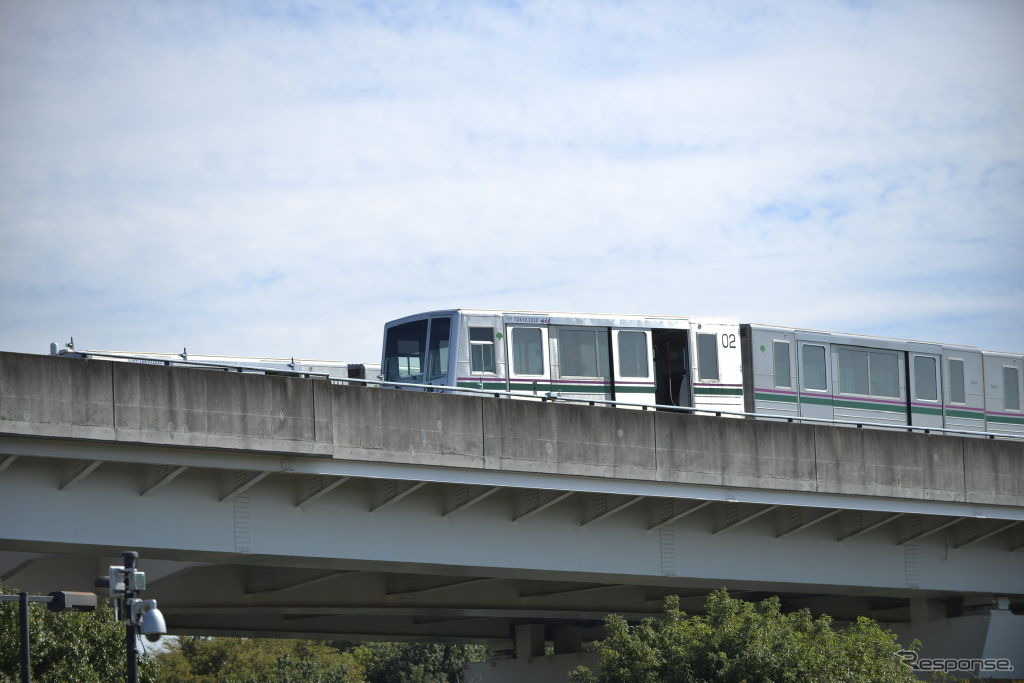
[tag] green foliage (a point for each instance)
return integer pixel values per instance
(72, 647)
(248, 660)
(420, 662)
(739, 641)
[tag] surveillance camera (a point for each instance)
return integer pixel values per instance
(153, 625)
(149, 619)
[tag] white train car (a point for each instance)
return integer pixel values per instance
(291, 366)
(714, 364)
(793, 372)
(645, 360)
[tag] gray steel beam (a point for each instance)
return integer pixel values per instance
(544, 500)
(303, 584)
(808, 524)
(390, 492)
(988, 534)
(432, 589)
(743, 520)
(928, 532)
(80, 472)
(871, 527)
(254, 461)
(463, 500)
(242, 488)
(679, 515)
(7, 462)
(165, 475)
(612, 510)
(569, 591)
(322, 491)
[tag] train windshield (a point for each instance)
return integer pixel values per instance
(417, 351)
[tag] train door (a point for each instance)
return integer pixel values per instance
(671, 368)
(1004, 393)
(773, 370)
(634, 366)
(527, 350)
(925, 389)
(481, 353)
(581, 362)
(815, 380)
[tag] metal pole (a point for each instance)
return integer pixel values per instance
(130, 636)
(26, 675)
(131, 643)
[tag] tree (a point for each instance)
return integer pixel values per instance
(420, 662)
(253, 660)
(740, 641)
(72, 647)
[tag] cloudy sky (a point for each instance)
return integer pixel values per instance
(280, 179)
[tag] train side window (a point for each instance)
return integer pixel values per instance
(885, 374)
(1011, 388)
(853, 372)
(925, 386)
(707, 355)
(814, 367)
(956, 381)
(782, 373)
(481, 349)
(632, 354)
(578, 353)
(437, 350)
(527, 351)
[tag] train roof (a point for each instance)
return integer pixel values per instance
(639, 316)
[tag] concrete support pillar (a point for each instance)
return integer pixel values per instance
(923, 609)
(529, 640)
(994, 634)
(568, 639)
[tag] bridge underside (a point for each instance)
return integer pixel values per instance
(323, 548)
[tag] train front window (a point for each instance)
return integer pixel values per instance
(404, 351)
(437, 354)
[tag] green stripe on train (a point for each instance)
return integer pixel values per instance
(563, 388)
(780, 398)
(717, 391)
(923, 410)
(1006, 419)
(970, 415)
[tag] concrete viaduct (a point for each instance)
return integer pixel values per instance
(268, 505)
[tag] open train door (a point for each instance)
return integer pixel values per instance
(671, 367)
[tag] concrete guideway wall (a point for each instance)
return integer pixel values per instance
(133, 403)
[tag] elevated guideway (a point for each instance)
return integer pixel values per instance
(272, 505)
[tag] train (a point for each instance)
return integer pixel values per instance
(709, 364)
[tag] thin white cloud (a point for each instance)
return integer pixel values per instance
(250, 179)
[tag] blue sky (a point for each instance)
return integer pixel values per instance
(279, 179)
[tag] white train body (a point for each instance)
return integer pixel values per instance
(713, 364)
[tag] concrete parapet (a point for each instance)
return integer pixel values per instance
(116, 401)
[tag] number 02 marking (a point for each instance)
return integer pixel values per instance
(728, 341)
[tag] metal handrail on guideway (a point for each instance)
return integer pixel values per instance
(551, 397)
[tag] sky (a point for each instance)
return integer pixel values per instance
(280, 179)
